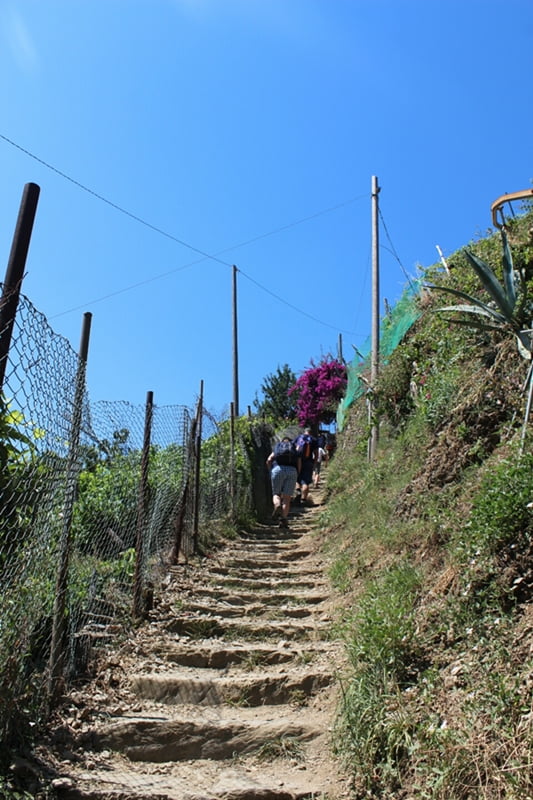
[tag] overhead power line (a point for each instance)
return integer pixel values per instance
(204, 255)
(122, 210)
(393, 249)
(299, 310)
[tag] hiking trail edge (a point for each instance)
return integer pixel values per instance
(227, 692)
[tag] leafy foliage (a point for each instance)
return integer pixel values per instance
(507, 308)
(437, 700)
(276, 403)
(318, 391)
(18, 471)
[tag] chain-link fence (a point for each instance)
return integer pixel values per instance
(96, 499)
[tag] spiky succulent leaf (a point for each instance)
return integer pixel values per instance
(474, 309)
(491, 284)
(508, 271)
(525, 344)
(478, 325)
(471, 301)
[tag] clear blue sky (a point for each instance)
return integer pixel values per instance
(249, 130)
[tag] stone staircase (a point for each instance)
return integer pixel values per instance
(229, 691)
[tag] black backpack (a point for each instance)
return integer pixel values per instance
(285, 454)
(305, 446)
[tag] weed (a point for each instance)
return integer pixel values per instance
(298, 698)
(286, 747)
(254, 660)
(340, 572)
(305, 657)
(237, 699)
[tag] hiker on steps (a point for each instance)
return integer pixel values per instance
(283, 464)
(306, 448)
(321, 458)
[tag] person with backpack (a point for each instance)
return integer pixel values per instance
(307, 450)
(321, 458)
(283, 465)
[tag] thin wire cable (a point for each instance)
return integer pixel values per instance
(162, 232)
(295, 308)
(393, 250)
(205, 256)
(112, 204)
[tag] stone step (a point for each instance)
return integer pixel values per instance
(256, 564)
(264, 546)
(274, 584)
(200, 627)
(292, 553)
(283, 572)
(243, 689)
(267, 598)
(161, 740)
(245, 779)
(217, 655)
(223, 609)
(272, 535)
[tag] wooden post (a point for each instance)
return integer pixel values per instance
(232, 459)
(235, 347)
(375, 319)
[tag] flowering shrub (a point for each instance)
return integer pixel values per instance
(318, 391)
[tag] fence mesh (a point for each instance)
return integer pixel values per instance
(91, 515)
(393, 328)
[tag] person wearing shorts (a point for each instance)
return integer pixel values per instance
(283, 481)
(307, 464)
(321, 456)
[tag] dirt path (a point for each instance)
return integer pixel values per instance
(227, 693)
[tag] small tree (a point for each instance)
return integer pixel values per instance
(276, 403)
(318, 391)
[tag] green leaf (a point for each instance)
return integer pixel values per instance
(471, 301)
(491, 284)
(508, 270)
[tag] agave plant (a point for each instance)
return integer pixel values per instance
(508, 308)
(507, 311)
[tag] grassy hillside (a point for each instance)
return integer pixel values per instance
(431, 547)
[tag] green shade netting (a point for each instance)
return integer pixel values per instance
(392, 329)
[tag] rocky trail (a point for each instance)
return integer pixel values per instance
(227, 692)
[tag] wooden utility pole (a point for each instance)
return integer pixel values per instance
(235, 348)
(372, 445)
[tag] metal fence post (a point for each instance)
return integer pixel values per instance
(57, 646)
(15, 272)
(138, 606)
(197, 462)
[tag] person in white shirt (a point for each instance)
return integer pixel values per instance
(321, 456)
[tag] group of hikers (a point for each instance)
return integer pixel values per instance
(295, 466)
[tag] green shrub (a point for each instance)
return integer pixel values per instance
(501, 515)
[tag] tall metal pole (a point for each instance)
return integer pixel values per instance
(197, 464)
(375, 317)
(235, 348)
(142, 500)
(232, 480)
(15, 271)
(59, 616)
